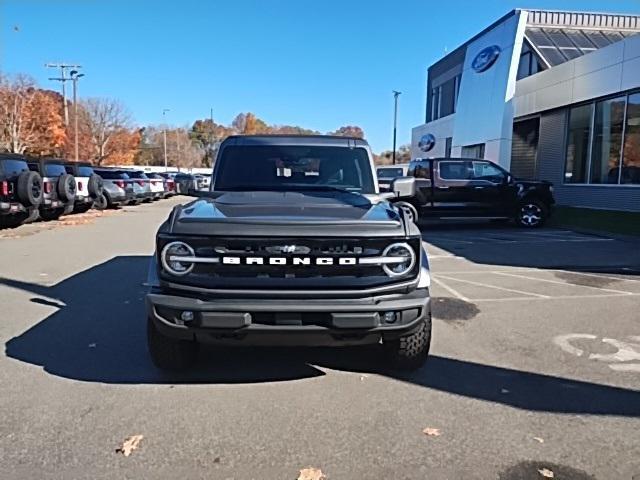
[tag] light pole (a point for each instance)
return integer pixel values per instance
(396, 94)
(75, 75)
(164, 135)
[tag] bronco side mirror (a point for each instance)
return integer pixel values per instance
(403, 187)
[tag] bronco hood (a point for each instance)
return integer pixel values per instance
(287, 213)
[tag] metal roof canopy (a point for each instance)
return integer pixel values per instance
(558, 36)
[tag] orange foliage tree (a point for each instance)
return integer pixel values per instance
(30, 119)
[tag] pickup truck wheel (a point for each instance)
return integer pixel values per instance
(410, 351)
(409, 210)
(531, 214)
(169, 353)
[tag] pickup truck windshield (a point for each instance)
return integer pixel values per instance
(292, 168)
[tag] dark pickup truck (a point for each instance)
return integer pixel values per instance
(456, 188)
(292, 244)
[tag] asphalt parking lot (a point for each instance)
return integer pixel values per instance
(534, 367)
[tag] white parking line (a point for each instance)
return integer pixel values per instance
(452, 291)
(597, 275)
(479, 284)
(557, 282)
(558, 297)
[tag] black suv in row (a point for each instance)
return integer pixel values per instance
(21, 190)
(455, 188)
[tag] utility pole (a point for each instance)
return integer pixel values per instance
(63, 79)
(75, 75)
(164, 135)
(396, 94)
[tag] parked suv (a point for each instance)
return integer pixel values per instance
(292, 245)
(390, 172)
(59, 188)
(117, 189)
(468, 188)
(20, 190)
(89, 185)
(146, 194)
(169, 186)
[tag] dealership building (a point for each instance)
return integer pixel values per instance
(548, 95)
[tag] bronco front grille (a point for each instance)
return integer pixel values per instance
(302, 263)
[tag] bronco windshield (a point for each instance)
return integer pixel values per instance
(292, 168)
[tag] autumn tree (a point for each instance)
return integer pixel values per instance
(30, 118)
(348, 131)
(403, 155)
(183, 151)
(106, 122)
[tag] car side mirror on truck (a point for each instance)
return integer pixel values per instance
(403, 187)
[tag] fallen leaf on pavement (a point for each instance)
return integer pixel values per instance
(546, 473)
(129, 445)
(432, 432)
(311, 473)
(538, 439)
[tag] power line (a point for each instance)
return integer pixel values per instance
(63, 79)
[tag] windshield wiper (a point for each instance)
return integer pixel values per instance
(285, 188)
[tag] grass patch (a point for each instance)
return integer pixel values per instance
(613, 221)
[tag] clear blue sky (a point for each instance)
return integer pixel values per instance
(316, 64)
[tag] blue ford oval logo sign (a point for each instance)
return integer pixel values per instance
(427, 142)
(486, 58)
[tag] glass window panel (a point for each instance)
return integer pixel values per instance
(597, 38)
(631, 155)
(578, 144)
(580, 39)
(552, 55)
(571, 53)
(487, 171)
(538, 38)
(558, 37)
(613, 37)
(524, 67)
(607, 140)
(447, 97)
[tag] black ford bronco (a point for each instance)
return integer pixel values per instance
(21, 190)
(292, 245)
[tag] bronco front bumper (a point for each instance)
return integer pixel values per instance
(268, 321)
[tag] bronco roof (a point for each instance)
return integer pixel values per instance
(324, 140)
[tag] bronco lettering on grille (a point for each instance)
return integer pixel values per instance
(302, 261)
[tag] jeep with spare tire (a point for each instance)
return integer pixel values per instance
(21, 190)
(89, 185)
(59, 188)
(292, 244)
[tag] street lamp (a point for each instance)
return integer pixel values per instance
(396, 94)
(164, 135)
(75, 75)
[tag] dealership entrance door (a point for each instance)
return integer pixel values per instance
(524, 148)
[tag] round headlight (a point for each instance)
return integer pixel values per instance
(403, 256)
(169, 256)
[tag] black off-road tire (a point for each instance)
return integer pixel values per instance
(170, 354)
(84, 208)
(49, 215)
(410, 351)
(96, 186)
(66, 188)
(12, 221)
(29, 189)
